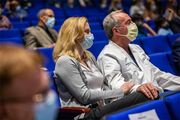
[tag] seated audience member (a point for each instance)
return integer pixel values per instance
(115, 5)
(25, 4)
(173, 19)
(42, 35)
(176, 54)
(163, 27)
(24, 87)
(79, 80)
(123, 62)
(14, 9)
(137, 7)
(103, 3)
(143, 28)
(4, 21)
(55, 3)
(85, 3)
(70, 4)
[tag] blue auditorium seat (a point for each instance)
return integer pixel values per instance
(126, 5)
(20, 25)
(97, 47)
(34, 22)
(76, 12)
(53, 86)
(47, 53)
(99, 35)
(95, 26)
(17, 40)
(173, 105)
(12, 33)
(158, 105)
(172, 38)
(173, 65)
(155, 44)
(138, 42)
(161, 61)
(92, 19)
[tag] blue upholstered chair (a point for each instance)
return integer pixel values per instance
(155, 44)
(161, 61)
(158, 105)
(173, 105)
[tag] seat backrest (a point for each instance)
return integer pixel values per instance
(47, 53)
(173, 104)
(99, 35)
(54, 87)
(20, 25)
(10, 33)
(97, 47)
(158, 105)
(155, 44)
(161, 61)
(138, 42)
(17, 40)
(172, 38)
(95, 26)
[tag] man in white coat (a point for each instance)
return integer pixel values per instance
(123, 62)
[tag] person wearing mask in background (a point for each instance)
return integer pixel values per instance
(115, 5)
(4, 21)
(42, 35)
(79, 80)
(85, 3)
(144, 29)
(163, 27)
(24, 86)
(123, 62)
(137, 7)
(15, 10)
(173, 19)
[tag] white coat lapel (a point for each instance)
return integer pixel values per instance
(127, 58)
(136, 56)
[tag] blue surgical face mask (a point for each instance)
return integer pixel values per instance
(47, 110)
(50, 22)
(88, 41)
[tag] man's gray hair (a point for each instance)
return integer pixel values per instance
(109, 22)
(42, 12)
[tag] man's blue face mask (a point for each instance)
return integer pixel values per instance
(47, 108)
(50, 22)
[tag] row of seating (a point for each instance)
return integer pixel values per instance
(151, 45)
(157, 44)
(159, 57)
(95, 25)
(96, 29)
(166, 108)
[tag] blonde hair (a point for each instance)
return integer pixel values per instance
(70, 34)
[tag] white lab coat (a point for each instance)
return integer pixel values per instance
(119, 68)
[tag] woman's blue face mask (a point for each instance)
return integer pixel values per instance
(88, 41)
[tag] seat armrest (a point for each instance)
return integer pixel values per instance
(75, 109)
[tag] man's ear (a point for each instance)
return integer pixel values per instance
(43, 19)
(115, 30)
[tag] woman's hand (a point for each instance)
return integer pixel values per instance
(126, 87)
